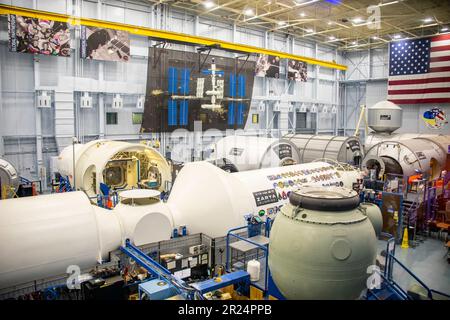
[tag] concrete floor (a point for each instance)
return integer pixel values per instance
(428, 261)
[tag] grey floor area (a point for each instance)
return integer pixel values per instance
(428, 261)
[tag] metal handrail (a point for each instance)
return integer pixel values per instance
(429, 293)
(262, 247)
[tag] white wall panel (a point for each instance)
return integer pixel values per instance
(60, 6)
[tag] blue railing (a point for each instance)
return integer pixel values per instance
(388, 273)
(264, 248)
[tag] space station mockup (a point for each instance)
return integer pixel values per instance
(204, 198)
(320, 240)
(403, 154)
(8, 175)
(118, 164)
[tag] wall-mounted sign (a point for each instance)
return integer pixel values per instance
(435, 118)
(283, 151)
(265, 197)
(236, 152)
(38, 36)
(104, 44)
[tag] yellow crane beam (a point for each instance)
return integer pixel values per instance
(162, 35)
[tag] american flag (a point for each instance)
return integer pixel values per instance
(419, 70)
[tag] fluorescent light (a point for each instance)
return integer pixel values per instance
(309, 30)
(354, 43)
(397, 36)
(208, 4)
(375, 38)
(358, 20)
(302, 14)
(426, 20)
(248, 12)
(387, 3)
(331, 38)
(444, 29)
(281, 23)
(330, 23)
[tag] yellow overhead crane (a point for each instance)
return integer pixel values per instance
(163, 35)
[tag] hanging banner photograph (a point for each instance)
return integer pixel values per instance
(267, 66)
(38, 36)
(104, 44)
(297, 70)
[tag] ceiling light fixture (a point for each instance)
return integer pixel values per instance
(208, 4)
(397, 36)
(281, 23)
(332, 38)
(330, 23)
(426, 20)
(387, 3)
(248, 12)
(302, 14)
(309, 30)
(444, 29)
(358, 20)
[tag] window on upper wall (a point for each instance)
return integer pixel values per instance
(136, 117)
(111, 118)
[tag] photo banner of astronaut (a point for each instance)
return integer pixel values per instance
(267, 66)
(186, 87)
(104, 44)
(297, 70)
(38, 36)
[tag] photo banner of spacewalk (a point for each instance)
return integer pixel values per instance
(185, 87)
(38, 36)
(269, 67)
(104, 44)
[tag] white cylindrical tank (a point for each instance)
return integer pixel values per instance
(41, 236)
(218, 201)
(406, 157)
(321, 245)
(8, 176)
(341, 149)
(118, 164)
(385, 116)
(241, 153)
(254, 268)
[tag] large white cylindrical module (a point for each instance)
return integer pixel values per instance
(321, 245)
(374, 138)
(337, 148)
(8, 176)
(207, 199)
(241, 153)
(406, 157)
(118, 164)
(41, 236)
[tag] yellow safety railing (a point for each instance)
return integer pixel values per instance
(163, 35)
